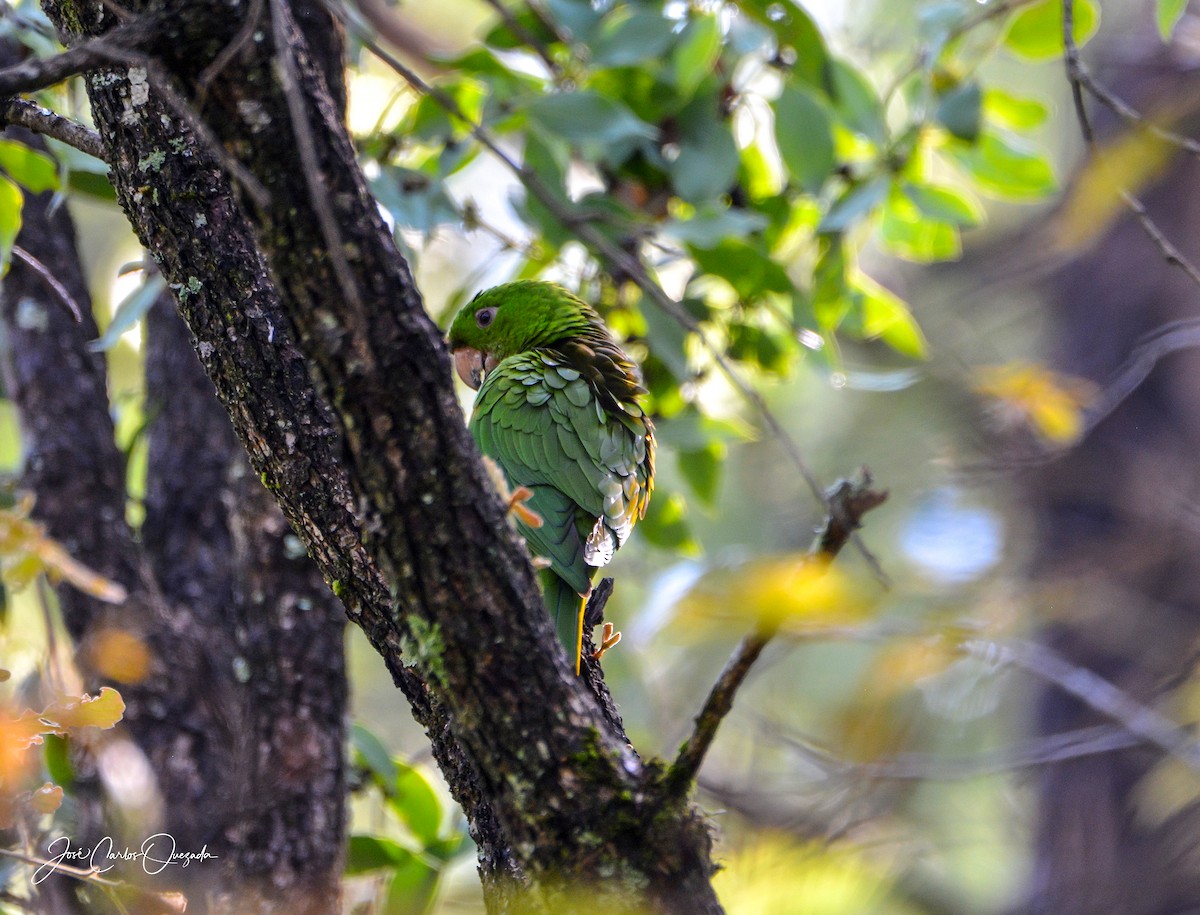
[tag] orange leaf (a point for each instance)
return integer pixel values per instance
(47, 798)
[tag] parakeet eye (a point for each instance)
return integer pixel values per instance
(485, 316)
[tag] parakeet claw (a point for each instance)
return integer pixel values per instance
(608, 639)
(517, 507)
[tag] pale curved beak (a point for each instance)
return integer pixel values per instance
(472, 365)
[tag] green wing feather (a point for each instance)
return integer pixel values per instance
(589, 468)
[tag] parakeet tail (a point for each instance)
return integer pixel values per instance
(566, 610)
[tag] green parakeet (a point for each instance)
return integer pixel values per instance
(557, 409)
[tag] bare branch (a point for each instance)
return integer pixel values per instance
(848, 502)
(51, 280)
(1043, 751)
(1094, 691)
(22, 113)
(39, 73)
(527, 37)
(1078, 78)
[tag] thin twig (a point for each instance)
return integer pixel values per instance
(50, 279)
(229, 52)
(1077, 77)
(1043, 751)
(23, 113)
(39, 73)
(848, 503)
(1094, 691)
(523, 34)
(314, 174)
(1131, 115)
(91, 875)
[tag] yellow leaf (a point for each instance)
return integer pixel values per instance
(773, 874)
(1127, 163)
(62, 564)
(26, 552)
(796, 592)
(1051, 404)
(101, 711)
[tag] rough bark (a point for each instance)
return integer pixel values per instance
(245, 694)
(385, 488)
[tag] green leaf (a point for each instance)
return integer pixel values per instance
(944, 204)
(667, 339)
(753, 344)
(665, 524)
(91, 184)
(370, 752)
(696, 53)
(751, 273)
(913, 238)
(701, 469)
(131, 310)
(413, 888)
(1167, 14)
(366, 853)
(830, 297)
(857, 102)
(11, 200)
(579, 17)
(804, 134)
(855, 205)
(30, 168)
(1011, 111)
(709, 226)
(1003, 167)
(415, 801)
(501, 36)
(708, 160)
(1036, 32)
(429, 120)
(960, 111)
(793, 28)
(627, 39)
(886, 316)
(415, 199)
(585, 116)
(57, 757)
(549, 162)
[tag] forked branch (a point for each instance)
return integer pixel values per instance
(848, 501)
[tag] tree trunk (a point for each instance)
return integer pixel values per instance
(1118, 543)
(240, 714)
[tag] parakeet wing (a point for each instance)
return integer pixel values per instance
(541, 421)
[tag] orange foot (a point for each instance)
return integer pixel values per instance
(608, 639)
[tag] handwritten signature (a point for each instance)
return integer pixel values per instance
(156, 854)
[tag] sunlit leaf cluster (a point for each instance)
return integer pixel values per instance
(747, 162)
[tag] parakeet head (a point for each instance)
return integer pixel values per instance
(513, 318)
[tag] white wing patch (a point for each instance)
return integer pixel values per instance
(599, 547)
